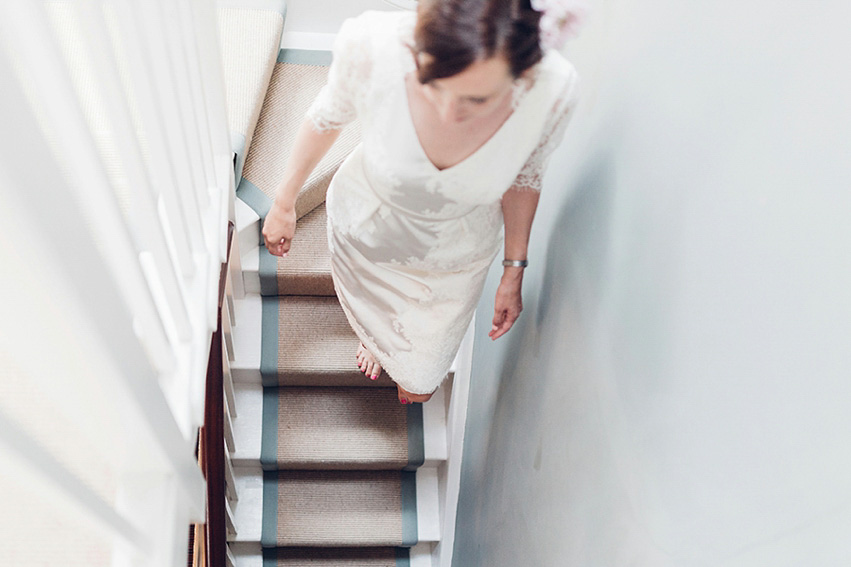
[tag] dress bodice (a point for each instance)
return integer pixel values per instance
(411, 244)
(367, 80)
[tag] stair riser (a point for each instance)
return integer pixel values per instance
(253, 555)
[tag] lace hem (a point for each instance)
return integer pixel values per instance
(325, 116)
(524, 185)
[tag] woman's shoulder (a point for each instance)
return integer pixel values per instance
(557, 81)
(555, 68)
(372, 45)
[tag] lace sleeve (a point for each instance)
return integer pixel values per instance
(531, 176)
(337, 103)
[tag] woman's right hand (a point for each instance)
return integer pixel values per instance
(278, 229)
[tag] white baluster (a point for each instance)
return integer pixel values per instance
(145, 218)
(161, 69)
(58, 100)
(161, 167)
(170, 33)
(89, 282)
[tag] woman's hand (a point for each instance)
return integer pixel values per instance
(508, 303)
(308, 148)
(278, 229)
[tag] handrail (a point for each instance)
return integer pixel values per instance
(212, 437)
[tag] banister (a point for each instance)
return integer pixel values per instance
(213, 436)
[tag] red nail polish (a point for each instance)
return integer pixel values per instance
(373, 377)
(404, 401)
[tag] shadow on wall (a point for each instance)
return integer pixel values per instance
(543, 406)
(576, 252)
(572, 282)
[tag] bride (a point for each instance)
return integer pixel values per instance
(461, 105)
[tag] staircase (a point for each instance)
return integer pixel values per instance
(330, 469)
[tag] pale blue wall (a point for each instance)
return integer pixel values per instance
(677, 391)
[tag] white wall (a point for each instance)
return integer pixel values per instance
(677, 392)
(326, 16)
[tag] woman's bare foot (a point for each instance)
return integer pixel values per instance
(367, 363)
(406, 397)
(369, 366)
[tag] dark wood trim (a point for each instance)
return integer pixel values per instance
(213, 434)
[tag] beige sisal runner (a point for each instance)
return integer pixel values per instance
(339, 508)
(316, 345)
(336, 428)
(290, 94)
(307, 268)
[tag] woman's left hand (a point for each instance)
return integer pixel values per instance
(508, 303)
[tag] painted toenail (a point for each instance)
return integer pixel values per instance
(373, 377)
(404, 401)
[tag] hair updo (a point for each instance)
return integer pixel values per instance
(455, 33)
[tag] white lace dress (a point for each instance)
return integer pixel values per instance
(411, 244)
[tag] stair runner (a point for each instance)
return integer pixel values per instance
(338, 450)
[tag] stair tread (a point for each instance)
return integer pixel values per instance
(307, 268)
(292, 89)
(340, 429)
(339, 509)
(314, 344)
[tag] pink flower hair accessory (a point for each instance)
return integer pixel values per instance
(560, 21)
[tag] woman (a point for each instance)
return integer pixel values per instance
(460, 107)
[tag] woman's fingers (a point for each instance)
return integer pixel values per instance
(276, 245)
(507, 307)
(284, 246)
(500, 329)
(279, 246)
(503, 320)
(498, 319)
(278, 229)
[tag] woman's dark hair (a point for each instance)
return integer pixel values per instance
(455, 33)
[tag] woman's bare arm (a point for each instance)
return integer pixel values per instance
(309, 147)
(518, 211)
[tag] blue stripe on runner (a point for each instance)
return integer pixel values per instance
(268, 272)
(269, 342)
(304, 57)
(416, 450)
(410, 531)
(403, 557)
(269, 433)
(269, 531)
(237, 142)
(252, 196)
(270, 557)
